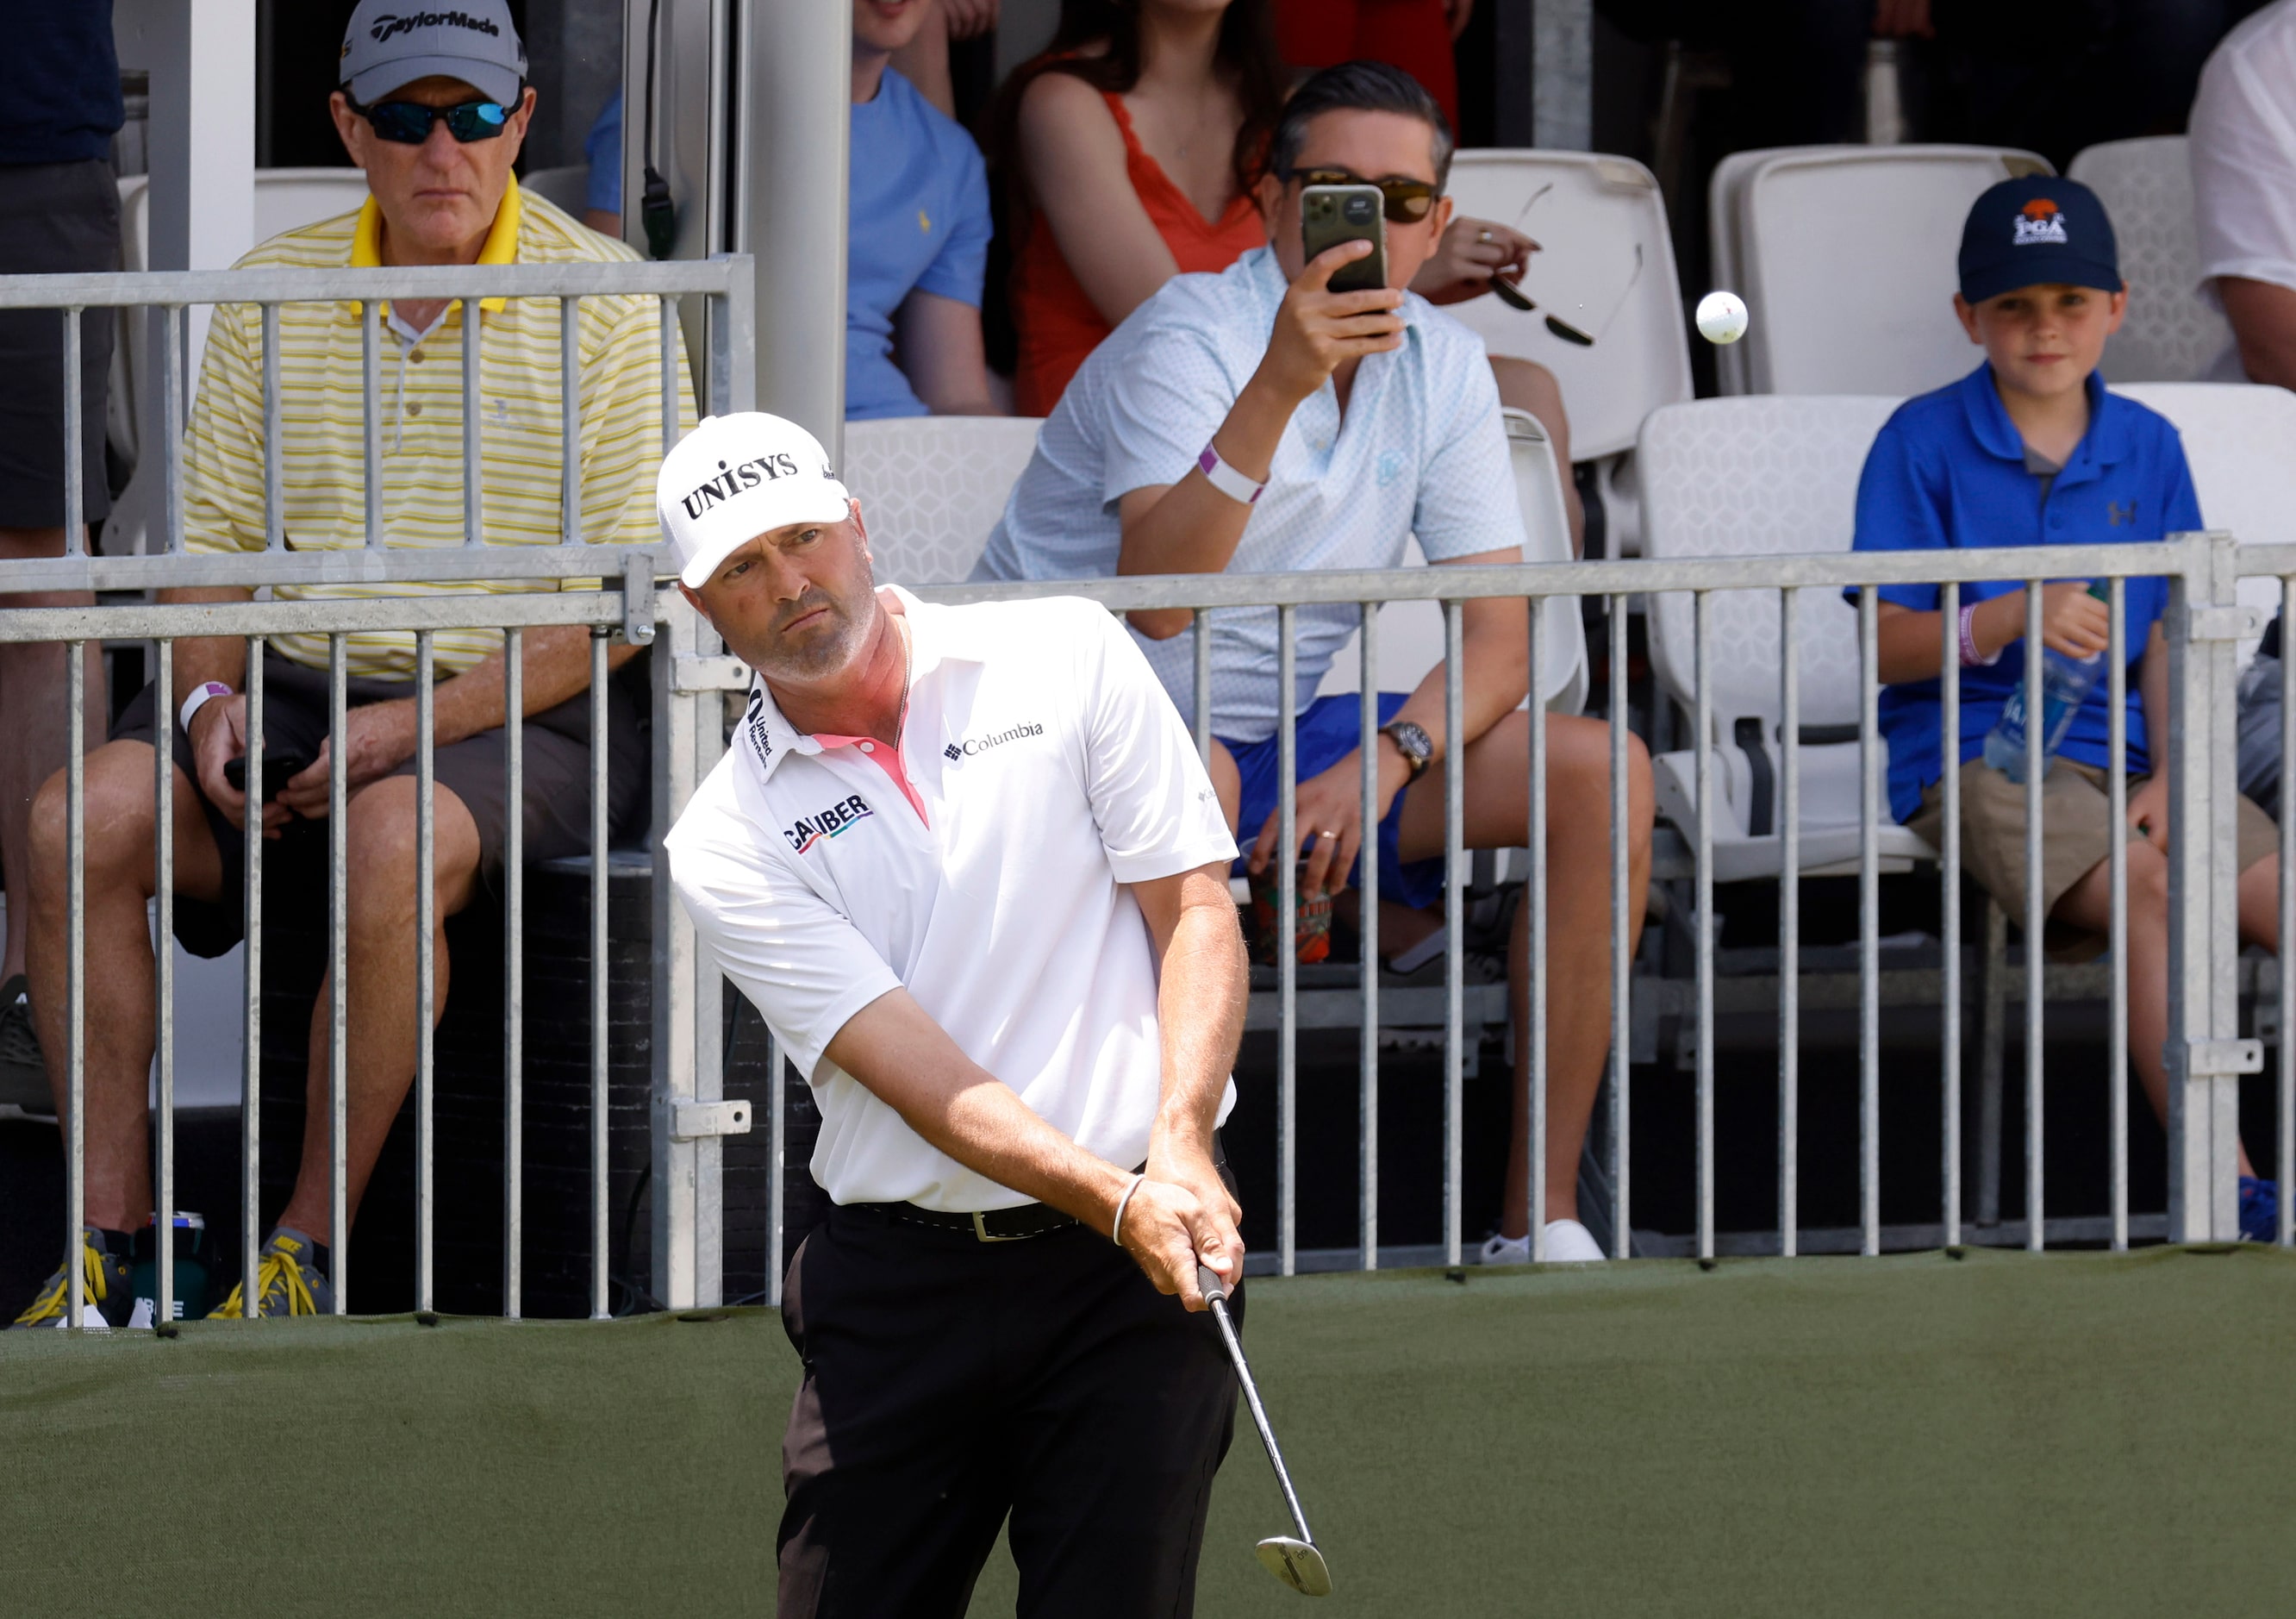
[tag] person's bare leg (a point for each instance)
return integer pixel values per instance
(1527, 385)
(1578, 919)
(2087, 905)
(380, 942)
(33, 733)
(120, 883)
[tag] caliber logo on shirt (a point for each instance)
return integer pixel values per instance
(2039, 220)
(731, 481)
(972, 745)
(832, 822)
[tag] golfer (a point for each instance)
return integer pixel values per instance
(967, 865)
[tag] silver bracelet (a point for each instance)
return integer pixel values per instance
(1116, 1226)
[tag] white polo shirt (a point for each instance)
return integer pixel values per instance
(1041, 768)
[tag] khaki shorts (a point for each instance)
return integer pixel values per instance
(2076, 824)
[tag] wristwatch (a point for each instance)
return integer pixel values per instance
(1411, 741)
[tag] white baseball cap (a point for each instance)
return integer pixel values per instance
(387, 44)
(736, 477)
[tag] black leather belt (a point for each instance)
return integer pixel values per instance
(993, 1226)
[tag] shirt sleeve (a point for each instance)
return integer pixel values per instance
(1467, 503)
(1162, 409)
(802, 963)
(958, 269)
(1897, 511)
(223, 443)
(621, 410)
(2244, 158)
(1150, 798)
(601, 149)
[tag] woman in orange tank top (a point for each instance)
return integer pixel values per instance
(1128, 152)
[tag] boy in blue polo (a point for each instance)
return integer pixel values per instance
(2030, 449)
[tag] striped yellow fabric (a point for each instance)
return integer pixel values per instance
(322, 459)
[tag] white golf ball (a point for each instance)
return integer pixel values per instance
(1722, 317)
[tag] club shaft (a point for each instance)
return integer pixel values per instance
(1260, 1417)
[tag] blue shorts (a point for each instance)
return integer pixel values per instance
(1327, 733)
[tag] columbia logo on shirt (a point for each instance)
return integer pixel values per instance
(971, 745)
(832, 822)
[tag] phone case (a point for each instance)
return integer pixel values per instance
(1329, 215)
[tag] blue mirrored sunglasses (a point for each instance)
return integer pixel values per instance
(409, 123)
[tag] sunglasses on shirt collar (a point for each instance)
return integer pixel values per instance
(1406, 202)
(409, 123)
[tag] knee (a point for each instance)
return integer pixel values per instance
(380, 852)
(116, 816)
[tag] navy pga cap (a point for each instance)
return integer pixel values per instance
(388, 44)
(2040, 228)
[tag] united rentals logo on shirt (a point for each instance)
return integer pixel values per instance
(973, 745)
(748, 475)
(2039, 220)
(832, 822)
(754, 723)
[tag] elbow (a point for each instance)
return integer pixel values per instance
(1160, 623)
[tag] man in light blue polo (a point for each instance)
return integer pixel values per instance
(1255, 420)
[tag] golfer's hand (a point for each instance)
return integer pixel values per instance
(2148, 811)
(1317, 329)
(378, 737)
(1472, 255)
(219, 735)
(1167, 1226)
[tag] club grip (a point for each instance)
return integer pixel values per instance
(1208, 1283)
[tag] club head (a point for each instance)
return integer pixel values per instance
(1297, 1564)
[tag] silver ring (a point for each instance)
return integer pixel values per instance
(1327, 834)
(1483, 236)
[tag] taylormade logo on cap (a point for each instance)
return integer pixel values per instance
(383, 27)
(736, 477)
(387, 45)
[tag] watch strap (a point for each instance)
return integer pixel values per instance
(1226, 479)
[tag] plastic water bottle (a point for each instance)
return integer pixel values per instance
(2065, 685)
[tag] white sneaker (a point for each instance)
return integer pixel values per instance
(1568, 1243)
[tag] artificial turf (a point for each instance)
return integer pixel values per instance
(2002, 1434)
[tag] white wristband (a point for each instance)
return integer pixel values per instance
(198, 700)
(1226, 479)
(1116, 1226)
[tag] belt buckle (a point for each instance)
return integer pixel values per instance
(982, 1233)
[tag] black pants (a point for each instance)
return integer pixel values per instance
(950, 1382)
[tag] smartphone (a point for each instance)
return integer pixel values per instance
(1329, 215)
(278, 771)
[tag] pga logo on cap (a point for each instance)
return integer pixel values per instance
(2040, 220)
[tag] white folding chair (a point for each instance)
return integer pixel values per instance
(1725, 191)
(1411, 633)
(284, 199)
(1763, 477)
(2237, 440)
(1597, 219)
(566, 187)
(1845, 255)
(2171, 334)
(931, 488)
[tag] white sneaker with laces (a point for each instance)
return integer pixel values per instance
(1568, 1243)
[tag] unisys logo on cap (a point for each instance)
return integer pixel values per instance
(731, 481)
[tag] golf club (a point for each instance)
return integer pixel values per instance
(1295, 1562)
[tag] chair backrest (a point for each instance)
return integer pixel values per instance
(568, 187)
(2171, 334)
(284, 199)
(1848, 265)
(1725, 258)
(1591, 213)
(1761, 476)
(931, 488)
(1411, 633)
(2237, 440)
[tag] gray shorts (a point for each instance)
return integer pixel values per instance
(2259, 758)
(475, 770)
(54, 218)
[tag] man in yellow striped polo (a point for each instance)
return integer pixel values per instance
(433, 107)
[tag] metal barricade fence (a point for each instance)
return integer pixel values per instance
(623, 602)
(2205, 1053)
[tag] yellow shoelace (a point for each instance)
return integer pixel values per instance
(278, 1272)
(50, 1305)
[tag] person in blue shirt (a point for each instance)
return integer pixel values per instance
(2030, 449)
(601, 149)
(917, 243)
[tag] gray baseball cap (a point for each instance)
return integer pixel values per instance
(391, 43)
